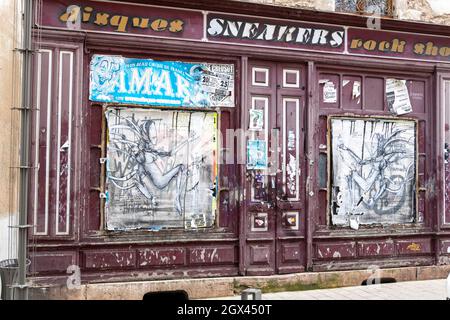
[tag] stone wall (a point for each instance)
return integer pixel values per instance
(432, 11)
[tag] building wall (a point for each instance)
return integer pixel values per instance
(165, 255)
(9, 92)
(434, 11)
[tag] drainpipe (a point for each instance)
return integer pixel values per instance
(448, 287)
(24, 167)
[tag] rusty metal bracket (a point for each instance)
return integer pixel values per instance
(25, 50)
(23, 286)
(85, 47)
(24, 108)
(24, 167)
(22, 226)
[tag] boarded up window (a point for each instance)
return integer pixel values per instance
(161, 169)
(373, 170)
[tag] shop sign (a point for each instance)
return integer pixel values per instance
(117, 18)
(398, 45)
(256, 31)
(209, 27)
(115, 79)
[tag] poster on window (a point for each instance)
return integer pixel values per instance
(329, 92)
(256, 154)
(161, 169)
(256, 120)
(373, 171)
(115, 79)
(397, 97)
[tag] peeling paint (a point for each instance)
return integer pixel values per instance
(414, 247)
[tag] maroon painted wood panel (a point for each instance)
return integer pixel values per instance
(371, 101)
(447, 193)
(398, 45)
(54, 152)
(446, 105)
(275, 209)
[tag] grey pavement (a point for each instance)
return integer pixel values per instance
(412, 290)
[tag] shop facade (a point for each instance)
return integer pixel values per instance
(184, 142)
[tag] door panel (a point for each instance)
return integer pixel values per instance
(274, 194)
(260, 211)
(290, 178)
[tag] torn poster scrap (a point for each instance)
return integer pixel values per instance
(161, 169)
(116, 79)
(356, 91)
(260, 221)
(397, 96)
(256, 119)
(329, 92)
(257, 154)
(373, 171)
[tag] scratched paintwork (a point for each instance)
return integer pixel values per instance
(417, 246)
(260, 254)
(109, 259)
(366, 249)
(212, 255)
(292, 253)
(376, 248)
(161, 257)
(445, 247)
(335, 251)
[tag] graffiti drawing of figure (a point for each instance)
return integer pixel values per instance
(385, 151)
(160, 169)
(149, 173)
(103, 76)
(145, 156)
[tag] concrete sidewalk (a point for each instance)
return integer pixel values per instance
(412, 290)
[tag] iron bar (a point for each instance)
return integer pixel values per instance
(25, 123)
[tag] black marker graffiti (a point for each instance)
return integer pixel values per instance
(158, 166)
(373, 170)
